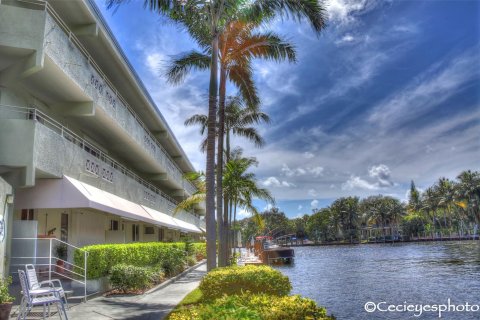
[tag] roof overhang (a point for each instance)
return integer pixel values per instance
(70, 193)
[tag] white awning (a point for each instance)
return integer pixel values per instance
(162, 218)
(71, 193)
(187, 227)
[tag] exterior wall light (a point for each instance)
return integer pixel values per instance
(9, 199)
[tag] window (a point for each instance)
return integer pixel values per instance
(113, 225)
(161, 234)
(135, 232)
(64, 227)
(149, 230)
(27, 214)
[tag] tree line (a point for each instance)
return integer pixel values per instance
(449, 207)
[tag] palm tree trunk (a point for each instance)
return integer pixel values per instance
(227, 204)
(230, 244)
(210, 170)
(222, 250)
(233, 228)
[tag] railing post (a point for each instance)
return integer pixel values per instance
(85, 275)
(50, 260)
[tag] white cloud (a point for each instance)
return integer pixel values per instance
(355, 182)
(274, 182)
(300, 207)
(348, 38)
(382, 174)
(242, 213)
(344, 11)
(299, 171)
(316, 171)
(443, 80)
(153, 62)
(314, 204)
(312, 192)
(308, 155)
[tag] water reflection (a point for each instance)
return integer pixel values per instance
(344, 278)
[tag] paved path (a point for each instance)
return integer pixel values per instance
(154, 305)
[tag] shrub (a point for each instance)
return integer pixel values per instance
(101, 258)
(200, 250)
(254, 307)
(191, 261)
(235, 280)
(5, 296)
(131, 278)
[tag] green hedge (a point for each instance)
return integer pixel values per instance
(131, 278)
(235, 280)
(200, 248)
(253, 307)
(101, 258)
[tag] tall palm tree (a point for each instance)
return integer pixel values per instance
(468, 189)
(241, 186)
(211, 16)
(445, 193)
(430, 204)
(238, 44)
(414, 203)
(239, 121)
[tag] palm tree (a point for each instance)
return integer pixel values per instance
(238, 46)
(468, 189)
(198, 180)
(445, 193)
(430, 204)
(241, 186)
(414, 203)
(209, 17)
(239, 119)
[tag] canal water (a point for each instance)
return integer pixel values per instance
(406, 276)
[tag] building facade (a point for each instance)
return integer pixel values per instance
(85, 154)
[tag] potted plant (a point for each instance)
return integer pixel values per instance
(5, 299)
(61, 253)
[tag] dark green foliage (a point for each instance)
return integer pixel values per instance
(131, 278)
(5, 296)
(101, 258)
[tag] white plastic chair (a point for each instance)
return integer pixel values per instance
(35, 285)
(40, 297)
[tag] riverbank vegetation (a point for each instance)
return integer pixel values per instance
(251, 292)
(449, 208)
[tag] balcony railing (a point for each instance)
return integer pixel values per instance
(174, 170)
(33, 114)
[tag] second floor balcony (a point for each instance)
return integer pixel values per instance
(55, 67)
(40, 147)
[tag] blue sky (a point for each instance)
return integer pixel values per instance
(389, 92)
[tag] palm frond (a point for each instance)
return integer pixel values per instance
(180, 66)
(251, 134)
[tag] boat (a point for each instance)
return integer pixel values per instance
(271, 253)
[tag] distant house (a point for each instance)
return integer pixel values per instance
(85, 154)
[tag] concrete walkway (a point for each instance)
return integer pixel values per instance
(153, 305)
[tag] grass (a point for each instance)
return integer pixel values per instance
(194, 297)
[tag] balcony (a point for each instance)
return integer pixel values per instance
(50, 150)
(65, 76)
